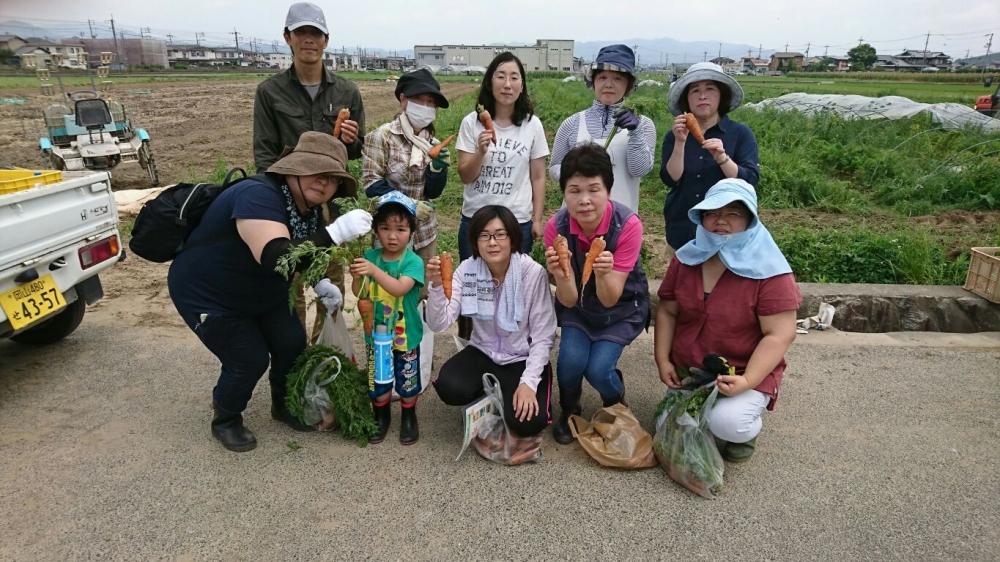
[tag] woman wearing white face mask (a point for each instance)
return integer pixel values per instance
(395, 155)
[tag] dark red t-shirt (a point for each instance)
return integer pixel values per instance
(727, 322)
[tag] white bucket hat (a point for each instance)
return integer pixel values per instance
(703, 71)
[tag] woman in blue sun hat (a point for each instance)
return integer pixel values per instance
(613, 78)
(688, 168)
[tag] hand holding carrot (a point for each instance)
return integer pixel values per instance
(604, 264)
(680, 129)
(432, 271)
(362, 267)
(487, 120)
(553, 265)
(484, 141)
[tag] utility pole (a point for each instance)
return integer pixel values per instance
(114, 36)
(986, 59)
(635, 49)
(198, 36)
(90, 23)
(759, 48)
(808, 45)
(720, 50)
(170, 39)
(860, 40)
(926, 42)
(237, 35)
(704, 57)
(143, 31)
(825, 49)
(786, 47)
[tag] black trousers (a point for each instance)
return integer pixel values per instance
(247, 346)
(460, 382)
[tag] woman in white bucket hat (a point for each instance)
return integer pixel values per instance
(690, 168)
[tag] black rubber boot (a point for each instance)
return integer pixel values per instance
(464, 327)
(409, 433)
(383, 417)
(569, 402)
(621, 397)
(279, 412)
(230, 431)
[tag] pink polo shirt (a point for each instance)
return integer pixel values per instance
(629, 242)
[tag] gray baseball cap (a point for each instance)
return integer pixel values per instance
(303, 14)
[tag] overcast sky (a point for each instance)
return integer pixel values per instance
(955, 26)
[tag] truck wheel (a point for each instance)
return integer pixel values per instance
(56, 328)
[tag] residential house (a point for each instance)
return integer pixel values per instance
(780, 61)
(191, 54)
(733, 68)
(280, 61)
(722, 61)
(753, 66)
(890, 63)
(11, 42)
(925, 58)
(70, 54)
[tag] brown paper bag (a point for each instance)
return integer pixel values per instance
(614, 438)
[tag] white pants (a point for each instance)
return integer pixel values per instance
(737, 419)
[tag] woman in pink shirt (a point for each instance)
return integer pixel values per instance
(730, 292)
(506, 293)
(599, 318)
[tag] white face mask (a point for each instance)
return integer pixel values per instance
(420, 115)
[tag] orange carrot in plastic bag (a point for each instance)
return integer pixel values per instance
(447, 270)
(694, 128)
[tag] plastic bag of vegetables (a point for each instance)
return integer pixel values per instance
(683, 444)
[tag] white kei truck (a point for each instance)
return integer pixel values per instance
(55, 238)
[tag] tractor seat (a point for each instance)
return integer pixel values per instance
(92, 113)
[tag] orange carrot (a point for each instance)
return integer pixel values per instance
(596, 247)
(342, 115)
(487, 121)
(694, 128)
(367, 310)
(447, 270)
(561, 246)
(436, 150)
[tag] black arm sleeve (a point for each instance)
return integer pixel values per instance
(278, 247)
(434, 182)
(380, 187)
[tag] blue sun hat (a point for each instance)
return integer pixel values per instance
(752, 253)
(399, 199)
(619, 58)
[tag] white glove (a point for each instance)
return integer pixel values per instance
(350, 226)
(329, 294)
(424, 210)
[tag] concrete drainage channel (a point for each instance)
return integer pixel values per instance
(895, 308)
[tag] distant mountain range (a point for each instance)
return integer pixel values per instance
(667, 50)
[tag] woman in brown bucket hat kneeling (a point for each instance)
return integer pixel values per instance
(224, 285)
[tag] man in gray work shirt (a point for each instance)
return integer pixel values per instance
(306, 96)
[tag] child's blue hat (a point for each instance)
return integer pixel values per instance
(398, 198)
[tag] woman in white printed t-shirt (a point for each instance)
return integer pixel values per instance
(511, 172)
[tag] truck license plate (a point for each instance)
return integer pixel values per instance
(32, 301)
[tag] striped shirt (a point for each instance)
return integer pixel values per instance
(600, 120)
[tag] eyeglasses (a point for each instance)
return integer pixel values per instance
(716, 215)
(498, 236)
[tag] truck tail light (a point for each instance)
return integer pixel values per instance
(99, 252)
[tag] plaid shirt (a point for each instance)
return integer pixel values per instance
(386, 156)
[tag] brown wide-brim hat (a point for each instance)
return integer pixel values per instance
(317, 153)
